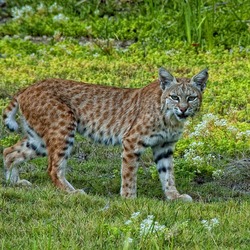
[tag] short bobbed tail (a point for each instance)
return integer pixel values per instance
(9, 115)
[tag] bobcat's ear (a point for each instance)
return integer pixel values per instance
(199, 80)
(166, 79)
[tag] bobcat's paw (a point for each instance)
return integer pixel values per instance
(185, 198)
(172, 195)
(23, 182)
(78, 191)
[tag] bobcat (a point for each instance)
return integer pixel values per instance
(53, 110)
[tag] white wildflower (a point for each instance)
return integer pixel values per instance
(32, 55)
(198, 159)
(135, 214)
(171, 52)
(41, 8)
(128, 222)
(60, 18)
(148, 226)
(55, 8)
(196, 144)
(243, 134)
(232, 129)
(206, 224)
(189, 153)
(209, 117)
(200, 129)
(21, 13)
(214, 221)
(210, 224)
(220, 122)
(150, 217)
(210, 157)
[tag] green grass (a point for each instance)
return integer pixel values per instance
(43, 218)
(211, 160)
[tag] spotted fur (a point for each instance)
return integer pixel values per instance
(53, 110)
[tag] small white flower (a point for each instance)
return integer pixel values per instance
(197, 159)
(209, 117)
(210, 224)
(21, 13)
(220, 122)
(171, 52)
(243, 134)
(232, 129)
(41, 8)
(148, 226)
(60, 18)
(214, 221)
(55, 8)
(150, 217)
(196, 144)
(128, 222)
(135, 214)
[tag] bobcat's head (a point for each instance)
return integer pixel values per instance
(181, 97)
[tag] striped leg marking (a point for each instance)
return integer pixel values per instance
(163, 158)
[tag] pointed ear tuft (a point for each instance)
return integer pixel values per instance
(199, 80)
(166, 79)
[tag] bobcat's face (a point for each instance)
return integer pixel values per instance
(182, 97)
(182, 101)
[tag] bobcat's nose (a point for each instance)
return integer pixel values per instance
(183, 109)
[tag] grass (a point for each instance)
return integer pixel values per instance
(49, 219)
(211, 160)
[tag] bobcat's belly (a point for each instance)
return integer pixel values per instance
(100, 135)
(161, 137)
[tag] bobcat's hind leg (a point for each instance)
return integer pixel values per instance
(59, 145)
(130, 161)
(22, 151)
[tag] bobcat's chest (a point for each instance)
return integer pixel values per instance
(171, 135)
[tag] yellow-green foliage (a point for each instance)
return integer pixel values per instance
(219, 133)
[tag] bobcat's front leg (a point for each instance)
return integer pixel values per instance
(163, 157)
(130, 158)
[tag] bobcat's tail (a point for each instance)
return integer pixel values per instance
(9, 115)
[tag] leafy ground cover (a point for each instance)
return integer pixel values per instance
(123, 43)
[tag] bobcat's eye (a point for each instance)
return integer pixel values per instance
(191, 98)
(174, 97)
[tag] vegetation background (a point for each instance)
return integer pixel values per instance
(123, 43)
